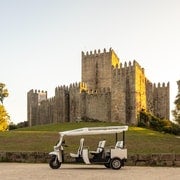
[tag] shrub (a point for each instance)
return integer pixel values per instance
(163, 125)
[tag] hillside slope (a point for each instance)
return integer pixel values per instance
(43, 138)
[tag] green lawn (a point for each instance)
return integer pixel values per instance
(43, 138)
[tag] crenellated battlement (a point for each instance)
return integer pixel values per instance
(161, 85)
(129, 65)
(96, 53)
(75, 85)
(51, 100)
(126, 68)
(37, 95)
(61, 88)
(149, 82)
(37, 91)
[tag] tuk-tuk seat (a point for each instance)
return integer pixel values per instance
(119, 144)
(100, 147)
(79, 152)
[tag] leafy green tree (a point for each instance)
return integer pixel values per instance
(3, 92)
(176, 111)
(4, 117)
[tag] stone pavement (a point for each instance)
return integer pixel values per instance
(42, 171)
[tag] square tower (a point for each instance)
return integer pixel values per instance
(97, 68)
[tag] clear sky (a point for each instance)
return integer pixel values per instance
(41, 42)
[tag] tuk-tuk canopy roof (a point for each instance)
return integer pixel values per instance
(94, 130)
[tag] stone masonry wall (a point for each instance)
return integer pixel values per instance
(165, 159)
(98, 105)
(74, 102)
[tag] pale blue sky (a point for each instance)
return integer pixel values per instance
(41, 42)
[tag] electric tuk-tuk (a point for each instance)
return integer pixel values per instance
(113, 157)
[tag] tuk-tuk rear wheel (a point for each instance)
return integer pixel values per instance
(115, 163)
(54, 162)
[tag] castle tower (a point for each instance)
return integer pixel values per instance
(33, 101)
(161, 100)
(96, 68)
(128, 94)
(62, 110)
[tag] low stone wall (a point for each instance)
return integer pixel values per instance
(133, 160)
(164, 159)
(25, 157)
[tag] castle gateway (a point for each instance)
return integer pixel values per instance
(108, 92)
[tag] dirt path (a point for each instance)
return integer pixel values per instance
(22, 171)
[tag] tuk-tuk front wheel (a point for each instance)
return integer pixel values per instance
(54, 162)
(115, 163)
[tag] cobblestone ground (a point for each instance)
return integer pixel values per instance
(27, 171)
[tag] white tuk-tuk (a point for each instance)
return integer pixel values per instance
(112, 157)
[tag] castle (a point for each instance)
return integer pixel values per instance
(109, 91)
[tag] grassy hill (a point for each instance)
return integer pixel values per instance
(43, 138)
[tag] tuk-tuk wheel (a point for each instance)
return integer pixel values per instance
(115, 163)
(54, 162)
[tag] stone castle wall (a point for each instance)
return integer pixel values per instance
(98, 105)
(110, 91)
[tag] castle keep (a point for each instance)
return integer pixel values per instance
(109, 91)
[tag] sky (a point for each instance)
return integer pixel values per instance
(41, 42)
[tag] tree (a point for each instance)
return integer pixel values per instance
(176, 111)
(3, 92)
(4, 117)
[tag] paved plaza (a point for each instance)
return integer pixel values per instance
(28, 171)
